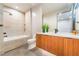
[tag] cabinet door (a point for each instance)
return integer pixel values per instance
(57, 45)
(68, 47)
(46, 42)
(76, 47)
(38, 40)
(43, 41)
(50, 46)
(54, 45)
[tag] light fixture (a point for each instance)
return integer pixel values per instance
(60, 14)
(34, 14)
(16, 7)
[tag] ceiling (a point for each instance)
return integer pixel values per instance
(53, 7)
(22, 7)
(46, 7)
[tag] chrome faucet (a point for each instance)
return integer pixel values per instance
(56, 30)
(5, 34)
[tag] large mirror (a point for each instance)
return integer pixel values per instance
(61, 17)
(76, 9)
(65, 21)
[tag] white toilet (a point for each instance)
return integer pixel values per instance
(31, 42)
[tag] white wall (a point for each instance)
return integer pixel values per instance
(51, 20)
(36, 20)
(1, 29)
(1, 23)
(28, 25)
(13, 24)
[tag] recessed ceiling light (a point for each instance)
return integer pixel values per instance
(34, 14)
(16, 7)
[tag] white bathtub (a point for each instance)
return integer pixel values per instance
(15, 38)
(14, 42)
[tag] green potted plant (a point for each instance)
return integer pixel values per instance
(45, 28)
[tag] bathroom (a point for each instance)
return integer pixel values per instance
(20, 22)
(16, 25)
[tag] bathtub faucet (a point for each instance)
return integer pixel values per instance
(5, 34)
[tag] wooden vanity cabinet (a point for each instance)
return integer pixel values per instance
(57, 45)
(68, 47)
(50, 44)
(76, 47)
(44, 42)
(60, 46)
(71, 47)
(39, 40)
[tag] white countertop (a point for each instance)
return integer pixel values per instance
(68, 35)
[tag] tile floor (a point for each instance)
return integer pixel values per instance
(22, 51)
